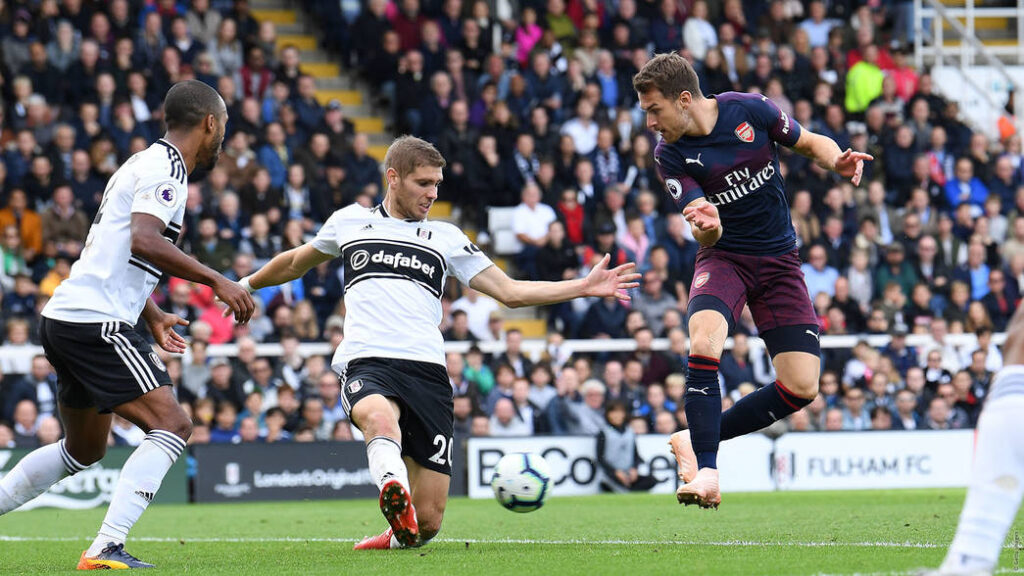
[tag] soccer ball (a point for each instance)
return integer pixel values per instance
(521, 481)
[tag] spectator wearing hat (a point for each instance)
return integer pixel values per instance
(339, 129)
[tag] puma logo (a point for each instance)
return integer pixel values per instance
(695, 161)
(811, 332)
(703, 390)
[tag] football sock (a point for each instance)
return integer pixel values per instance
(997, 479)
(140, 479)
(759, 409)
(35, 473)
(385, 457)
(703, 406)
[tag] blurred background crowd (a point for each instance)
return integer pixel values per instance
(531, 104)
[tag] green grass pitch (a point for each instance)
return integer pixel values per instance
(810, 533)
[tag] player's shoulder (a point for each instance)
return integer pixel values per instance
(161, 161)
(668, 154)
(444, 230)
(351, 213)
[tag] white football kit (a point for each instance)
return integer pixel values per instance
(394, 276)
(108, 282)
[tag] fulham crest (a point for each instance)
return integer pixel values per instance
(745, 132)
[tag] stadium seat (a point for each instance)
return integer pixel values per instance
(503, 239)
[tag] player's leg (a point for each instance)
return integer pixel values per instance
(430, 496)
(85, 430)
(124, 375)
(789, 327)
(997, 478)
(167, 428)
(84, 442)
(378, 418)
(717, 297)
(795, 387)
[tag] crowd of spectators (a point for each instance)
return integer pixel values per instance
(532, 106)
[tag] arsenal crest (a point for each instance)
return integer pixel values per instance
(745, 132)
(701, 279)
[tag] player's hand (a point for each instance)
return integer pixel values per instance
(703, 215)
(237, 299)
(602, 282)
(163, 333)
(850, 165)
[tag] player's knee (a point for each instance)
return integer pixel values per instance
(430, 525)
(703, 342)
(180, 427)
(804, 387)
(380, 423)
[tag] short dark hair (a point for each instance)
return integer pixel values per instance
(407, 153)
(188, 103)
(670, 74)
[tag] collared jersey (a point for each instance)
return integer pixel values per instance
(108, 282)
(736, 168)
(394, 275)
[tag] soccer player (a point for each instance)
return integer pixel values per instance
(88, 329)
(997, 479)
(392, 363)
(719, 159)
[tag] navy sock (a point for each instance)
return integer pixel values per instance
(703, 405)
(759, 409)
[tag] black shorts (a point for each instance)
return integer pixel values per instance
(100, 365)
(423, 393)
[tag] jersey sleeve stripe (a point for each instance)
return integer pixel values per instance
(141, 265)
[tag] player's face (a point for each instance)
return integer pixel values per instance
(416, 193)
(668, 117)
(210, 151)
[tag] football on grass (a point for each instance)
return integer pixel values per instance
(521, 481)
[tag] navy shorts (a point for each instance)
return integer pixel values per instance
(424, 395)
(773, 287)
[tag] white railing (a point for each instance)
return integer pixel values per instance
(536, 347)
(969, 49)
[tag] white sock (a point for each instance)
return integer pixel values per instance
(140, 479)
(35, 473)
(997, 479)
(385, 457)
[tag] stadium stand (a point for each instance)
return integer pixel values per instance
(919, 269)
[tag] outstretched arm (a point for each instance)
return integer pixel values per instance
(826, 153)
(601, 282)
(285, 267)
(148, 242)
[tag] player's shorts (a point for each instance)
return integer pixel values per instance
(100, 365)
(773, 287)
(424, 395)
